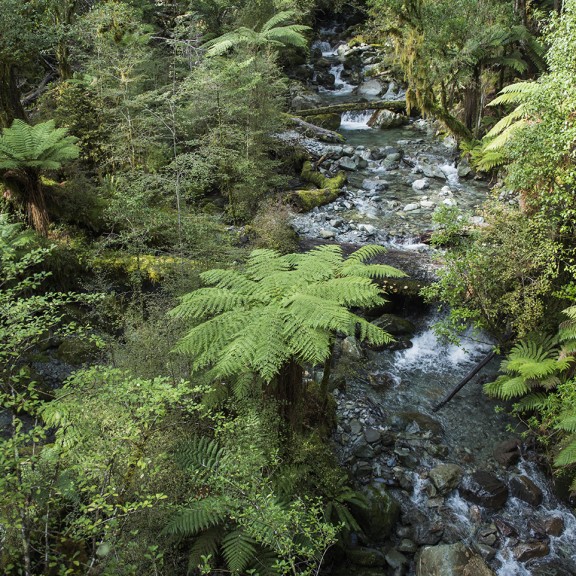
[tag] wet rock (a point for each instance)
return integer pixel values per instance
(355, 426)
(421, 184)
(366, 557)
(383, 512)
(428, 533)
(445, 477)
(507, 453)
(396, 559)
(553, 567)
(523, 488)
(372, 435)
(487, 552)
(408, 546)
(411, 207)
(504, 528)
(433, 172)
(553, 525)
(485, 489)
(370, 89)
(528, 550)
(381, 380)
(385, 119)
(395, 325)
(451, 560)
(351, 348)
(425, 422)
(464, 169)
(377, 185)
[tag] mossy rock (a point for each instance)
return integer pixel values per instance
(321, 181)
(383, 512)
(150, 267)
(395, 325)
(76, 351)
(306, 200)
(369, 557)
(328, 121)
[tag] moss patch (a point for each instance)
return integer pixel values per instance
(327, 191)
(328, 121)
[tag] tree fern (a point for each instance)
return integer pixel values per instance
(25, 151)
(279, 309)
(274, 32)
(201, 515)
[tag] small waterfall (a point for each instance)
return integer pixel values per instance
(451, 173)
(356, 120)
(341, 87)
(324, 47)
(427, 352)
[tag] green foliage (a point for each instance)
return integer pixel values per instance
(480, 285)
(275, 32)
(280, 308)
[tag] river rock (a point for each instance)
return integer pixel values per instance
(385, 119)
(464, 169)
(408, 546)
(395, 325)
(396, 559)
(507, 453)
(451, 560)
(528, 550)
(326, 79)
(421, 184)
(411, 207)
(553, 525)
(383, 512)
(370, 89)
(485, 489)
(327, 234)
(425, 423)
(351, 348)
(372, 435)
(433, 171)
(445, 477)
(428, 533)
(371, 557)
(524, 488)
(377, 185)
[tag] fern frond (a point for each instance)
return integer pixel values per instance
(567, 422)
(567, 455)
(515, 93)
(201, 515)
(239, 550)
(533, 401)
(372, 271)
(206, 544)
(281, 17)
(200, 453)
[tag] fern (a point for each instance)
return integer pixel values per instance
(203, 514)
(238, 549)
(206, 544)
(280, 308)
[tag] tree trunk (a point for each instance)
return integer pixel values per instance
(288, 390)
(24, 187)
(10, 105)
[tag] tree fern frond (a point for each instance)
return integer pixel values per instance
(498, 142)
(372, 271)
(533, 401)
(239, 550)
(206, 544)
(567, 455)
(230, 279)
(373, 334)
(365, 253)
(199, 453)
(568, 421)
(201, 515)
(504, 123)
(288, 36)
(515, 93)
(282, 17)
(351, 291)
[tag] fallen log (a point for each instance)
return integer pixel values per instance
(465, 380)
(313, 131)
(392, 105)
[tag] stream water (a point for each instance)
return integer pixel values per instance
(397, 177)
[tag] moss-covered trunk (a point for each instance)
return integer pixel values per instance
(289, 390)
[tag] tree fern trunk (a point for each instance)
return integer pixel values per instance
(36, 203)
(289, 389)
(10, 106)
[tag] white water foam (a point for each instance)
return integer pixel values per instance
(356, 120)
(428, 352)
(451, 173)
(341, 87)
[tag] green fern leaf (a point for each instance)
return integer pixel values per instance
(201, 515)
(206, 544)
(239, 550)
(567, 455)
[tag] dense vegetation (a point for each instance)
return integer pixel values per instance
(138, 163)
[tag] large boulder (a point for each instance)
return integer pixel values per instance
(379, 519)
(485, 489)
(386, 119)
(395, 325)
(451, 560)
(370, 89)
